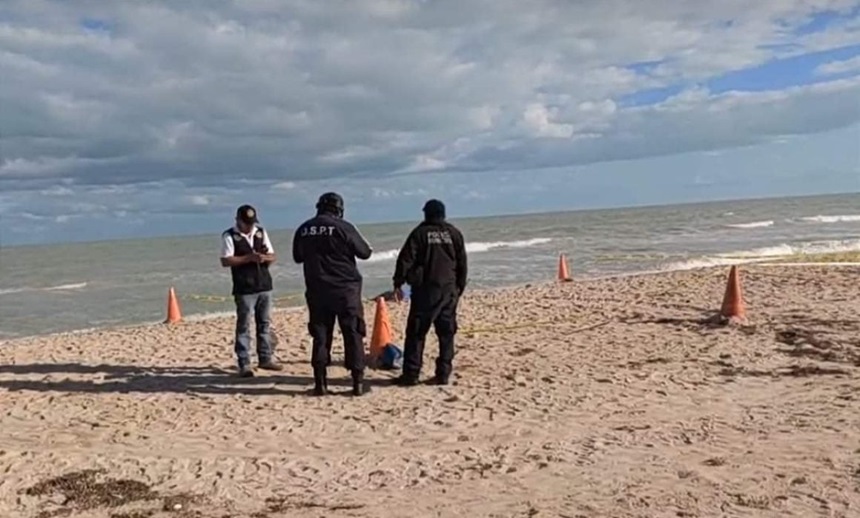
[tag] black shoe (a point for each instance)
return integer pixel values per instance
(245, 371)
(357, 383)
(405, 380)
(270, 365)
(320, 382)
(440, 380)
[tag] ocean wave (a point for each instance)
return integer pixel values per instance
(65, 287)
(765, 254)
(59, 287)
(754, 224)
(476, 247)
(844, 218)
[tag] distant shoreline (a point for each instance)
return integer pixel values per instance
(829, 258)
(453, 216)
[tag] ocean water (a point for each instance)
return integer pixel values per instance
(46, 289)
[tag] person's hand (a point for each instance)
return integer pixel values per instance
(398, 294)
(255, 258)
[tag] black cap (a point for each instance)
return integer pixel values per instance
(247, 214)
(434, 209)
(331, 201)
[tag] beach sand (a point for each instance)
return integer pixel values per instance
(586, 399)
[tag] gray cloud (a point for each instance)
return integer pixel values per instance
(787, 165)
(209, 92)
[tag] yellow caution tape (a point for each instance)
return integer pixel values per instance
(490, 329)
(220, 298)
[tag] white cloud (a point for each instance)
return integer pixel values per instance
(261, 93)
(537, 119)
(299, 89)
(199, 200)
(58, 190)
(839, 67)
(423, 163)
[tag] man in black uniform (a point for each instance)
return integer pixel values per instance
(327, 246)
(433, 263)
(248, 252)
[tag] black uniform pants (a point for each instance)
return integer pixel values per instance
(435, 307)
(346, 306)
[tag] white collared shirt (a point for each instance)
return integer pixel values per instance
(228, 249)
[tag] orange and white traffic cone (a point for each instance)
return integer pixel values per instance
(733, 307)
(563, 274)
(381, 335)
(174, 315)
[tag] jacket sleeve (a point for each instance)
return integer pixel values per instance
(360, 247)
(227, 247)
(462, 262)
(267, 242)
(406, 258)
(298, 255)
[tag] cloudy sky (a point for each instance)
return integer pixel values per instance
(160, 117)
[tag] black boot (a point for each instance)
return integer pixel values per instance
(441, 379)
(320, 381)
(406, 380)
(357, 383)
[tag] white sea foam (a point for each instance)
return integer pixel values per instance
(66, 287)
(843, 218)
(60, 287)
(765, 254)
(754, 224)
(476, 247)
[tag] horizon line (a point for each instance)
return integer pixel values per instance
(465, 218)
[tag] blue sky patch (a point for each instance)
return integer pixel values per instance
(644, 67)
(651, 95)
(95, 25)
(778, 74)
(821, 21)
(817, 23)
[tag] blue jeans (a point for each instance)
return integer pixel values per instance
(261, 305)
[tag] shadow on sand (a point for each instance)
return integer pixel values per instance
(125, 379)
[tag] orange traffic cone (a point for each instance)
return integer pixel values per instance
(381, 329)
(733, 300)
(563, 274)
(173, 313)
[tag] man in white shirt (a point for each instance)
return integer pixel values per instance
(248, 252)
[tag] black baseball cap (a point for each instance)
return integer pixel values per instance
(247, 214)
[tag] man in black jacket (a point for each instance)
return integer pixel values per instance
(433, 263)
(248, 252)
(327, 246)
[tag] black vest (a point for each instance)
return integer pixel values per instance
(251, 277)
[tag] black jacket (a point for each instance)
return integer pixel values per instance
(327, 247)
(433, 256)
